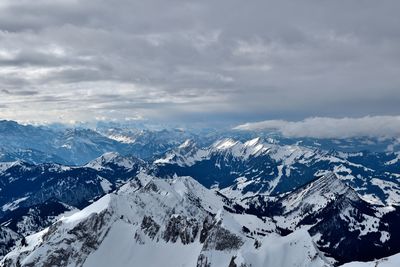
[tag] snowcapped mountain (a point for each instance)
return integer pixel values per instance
(36, 144)
(300, 205)
(263, 166)
(32, 156)
(33, 196)
(153, 222)
(227, 160)
(25, 184)
(336, 217)
(265, 202)
(77, 146)
(82, 145)
(8, 239)
(314, 225)
(22, 221)
(28, 220)
(112, 163)
(146, 144)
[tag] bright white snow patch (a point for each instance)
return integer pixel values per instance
(13, 205)
(225, 144)
(392, 261)
(131, 253)
(122, 138)
(96, 207)
(105, 185)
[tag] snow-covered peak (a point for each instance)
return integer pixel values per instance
(187, 186)
(163, 213)
(187, 144)
(319, 192)
(96, 208)
(112, 158)
(122, 138)
(225, 144)
(312, 198)
(252, 142)
(152, 223)
(187, 153)
(6, 165)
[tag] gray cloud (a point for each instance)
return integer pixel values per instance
(20, 92)
(323, 127)
(182, 60)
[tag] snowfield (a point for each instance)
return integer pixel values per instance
(392, 261)
(154, 222)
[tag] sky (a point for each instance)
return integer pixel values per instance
(213, 62)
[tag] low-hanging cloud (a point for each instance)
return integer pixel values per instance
(324, 127)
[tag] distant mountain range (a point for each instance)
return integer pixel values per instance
(102, 197)
(77, 146)
(261, 166)
(34, 144)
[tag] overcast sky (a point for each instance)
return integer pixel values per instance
(209, 61)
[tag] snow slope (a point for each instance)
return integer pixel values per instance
(261, 166)
(154, 222)
(392, 261)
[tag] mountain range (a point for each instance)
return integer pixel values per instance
(101, 197)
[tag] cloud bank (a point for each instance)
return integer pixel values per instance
(323, 127)
(227, 61)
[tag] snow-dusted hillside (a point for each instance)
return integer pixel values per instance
(264, 166)
(27, 184)
(178, 222)
(77, 146)
(342, 225)
(392, 261)
(8, 239)
(153, 222)
(263, 204)
(32, 196)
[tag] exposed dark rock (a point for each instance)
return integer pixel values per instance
(221, 239)
(150, 187)
(208, 224)
(232, 262)
(89, 233)
(8, 239)
(149, 227)
(245, 229)
(181, 227)
(202, 261)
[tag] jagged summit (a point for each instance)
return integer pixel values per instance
(189, 143)
(262, 164)
(188, 153)
(292, 209)
(151, 222)
(109, 159)
(226, 143)
(6, 165)
(311, 199)
(318, 193)
(306, 199)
